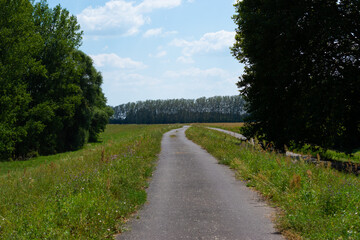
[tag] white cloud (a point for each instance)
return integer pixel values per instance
(115, 14)
(149, 5)
(183, 59)
(113, 60)
(121, 79)
(159, 54)
(208, 42)
(154, 32)
(197, 73)
(121, 17)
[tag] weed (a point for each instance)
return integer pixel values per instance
(295, 182)
(316, 202)
(87, 194)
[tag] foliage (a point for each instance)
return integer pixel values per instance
(214, 109)
(51, 99)
(341, 156)
(302, 76)
(315, 202)
(18, 44)
(87, 194)
(307, 149)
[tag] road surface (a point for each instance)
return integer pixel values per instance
(191, 196)
(237, 135)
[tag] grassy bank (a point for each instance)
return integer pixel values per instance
(234, 127)
(87, 194)
(314, 202)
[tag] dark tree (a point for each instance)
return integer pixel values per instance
(215, 109)
(302, 76)
(51, 98)
(19, 42)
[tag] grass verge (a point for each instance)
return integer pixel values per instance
(234, 127)
(87, 194)
(315, 202)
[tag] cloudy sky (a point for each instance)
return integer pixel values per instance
(159, 49)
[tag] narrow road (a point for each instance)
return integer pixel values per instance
(237, 135)
(191, 196)
(293, 155)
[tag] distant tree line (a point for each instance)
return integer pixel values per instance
(302, 75)
(50, 95)
(213, 109)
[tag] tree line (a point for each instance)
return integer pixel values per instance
(50, 97)
(302, 75)
(213, 109)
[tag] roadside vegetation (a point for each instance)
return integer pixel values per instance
(307, 149)
(233, 126)
(314, 202)
(87, 194)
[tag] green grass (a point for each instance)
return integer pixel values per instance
(234, 127)
(314, 202)
(87, 194)
(308, 149)
(112, 134)
(340, 156)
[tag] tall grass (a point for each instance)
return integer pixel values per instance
(87, 194)
(314, 202)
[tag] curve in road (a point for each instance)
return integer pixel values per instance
(236, 135)
(191, 196)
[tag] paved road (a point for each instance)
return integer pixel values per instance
(293, 155)
(191, 196)
(237, 135)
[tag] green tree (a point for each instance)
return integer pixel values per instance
(301, 79)
(51, 97)
(18, 44)
(214, 109)
(93, 114)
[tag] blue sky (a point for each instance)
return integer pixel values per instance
(159, 49)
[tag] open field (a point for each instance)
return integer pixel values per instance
(87, 194)
(314, 202)
(234, 127)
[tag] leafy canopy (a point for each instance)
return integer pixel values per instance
(51, 98)
(302, 75)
